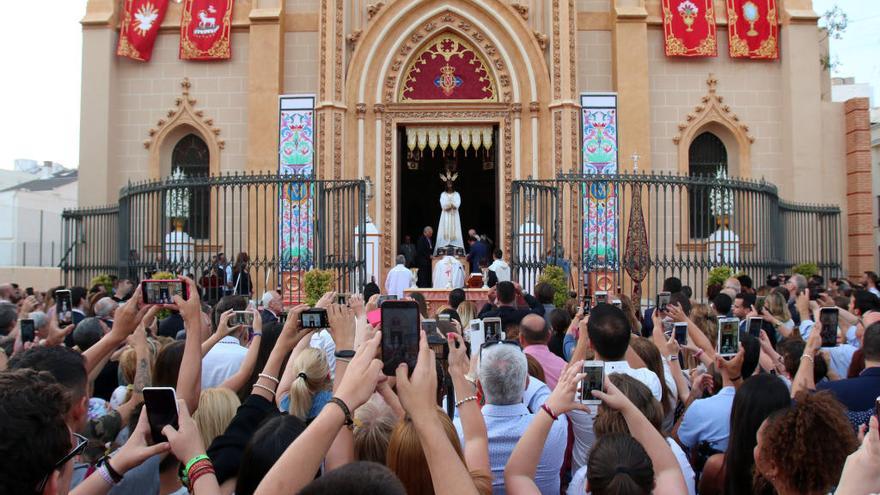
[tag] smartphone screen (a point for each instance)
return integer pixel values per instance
(828, 317)
(594, 380)
(400, 335)
(662, 300)
(617, 303)
(445, 326)
(342, 299)
(492, 327)
(681, 333)
(601, 297)
(27, 330)
(728, 336)
(429, 325)
(314, 318)
(245, 318)
(161, 404)
(63, 307)
(588, 303)
(162, 291)
(755, 324)
(382, 299)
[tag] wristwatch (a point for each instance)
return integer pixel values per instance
(344, 354)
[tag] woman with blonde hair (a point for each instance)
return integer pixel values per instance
(775, 311)
(311, 387)
(467, 311)
(217, 407)
(373, 424)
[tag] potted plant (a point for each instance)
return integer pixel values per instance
(719, 275)
(555, 277)
(316, 283)
(806, 269)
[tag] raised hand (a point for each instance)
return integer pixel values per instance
(613, 397)
(190, 308)
(292, 332)
(362, 374)
(418, 393)
(223, 328)
(186, 441)
(563, 398)
(342, 326)
(137, 449)
(326, 300)
(459, 364)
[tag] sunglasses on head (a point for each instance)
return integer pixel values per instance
(494, 342)
(78, 448)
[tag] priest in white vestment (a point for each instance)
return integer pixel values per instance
(449, 230)
(399, 278)
(448, 274)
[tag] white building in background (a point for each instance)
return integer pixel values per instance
(30, 213)
(844, 88)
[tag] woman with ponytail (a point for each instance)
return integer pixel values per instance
(312, 386)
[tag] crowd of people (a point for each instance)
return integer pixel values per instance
(266, 406)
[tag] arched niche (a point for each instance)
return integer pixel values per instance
(714, 116)
(179, 121)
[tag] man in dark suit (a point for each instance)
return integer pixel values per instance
(424, 251)
(272, 306)
(479, 252)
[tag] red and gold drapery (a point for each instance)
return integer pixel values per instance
(753, 29)
(689, 28)
(140, 26)
(205, 26)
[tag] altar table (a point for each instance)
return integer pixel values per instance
(437, 298)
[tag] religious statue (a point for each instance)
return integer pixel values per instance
(449, 230)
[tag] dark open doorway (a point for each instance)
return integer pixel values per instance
(419, 189)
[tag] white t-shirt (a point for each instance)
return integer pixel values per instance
(501, 269)
(222, 361)
(582, 422)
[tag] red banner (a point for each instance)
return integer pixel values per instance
(689, 28)
(753, 29)
(140, 26)
(204, 30)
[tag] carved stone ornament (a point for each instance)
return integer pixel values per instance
(184, 110)
(462, 28)
(712, 107)
(389, 126)
(542, 39)
(360, 110)
(374, 9)
(523, 10)
(354, 36)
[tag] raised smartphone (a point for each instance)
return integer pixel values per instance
(728, 337)
(594, 380)
(163, 291)
(63, 307)
(601, 297)
(662, 300)
(492, 327)
(388, 297)
(680, 330)
(161, 404)
(314, 318)
(400, 335)
(245, 318)
(28, 331)
(755, 324)
(828, 317)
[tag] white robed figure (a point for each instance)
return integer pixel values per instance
(448, 274)
(449, 230)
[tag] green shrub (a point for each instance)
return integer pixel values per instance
(316, 283)
(719, 274)
(806, 269)
(104, 281)
(555, 277)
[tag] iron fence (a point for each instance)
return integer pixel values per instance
(278, 226)
(589, 225)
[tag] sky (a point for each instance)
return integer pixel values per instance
(40, 95)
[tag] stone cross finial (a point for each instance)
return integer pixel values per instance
(635, 158)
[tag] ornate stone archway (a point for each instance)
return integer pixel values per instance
(385, 51)
(180, 120)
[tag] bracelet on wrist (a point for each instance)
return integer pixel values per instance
(269, 377)
(466, 399)
(114, 474)
(267, 389)
(348, 422)
(547, 410)
(104, 473)
(807, 356)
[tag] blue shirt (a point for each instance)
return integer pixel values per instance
(856, 394)
(506, 425)
(708, 420)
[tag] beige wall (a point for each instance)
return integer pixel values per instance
(594, 61)
(751, 88)
(294, 6)
(146, 91)
(39, 277)
(301, 62)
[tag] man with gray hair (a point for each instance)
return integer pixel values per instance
(273, 306)
(399, 278)
(105, 309)
(795, 284)
(503, 372)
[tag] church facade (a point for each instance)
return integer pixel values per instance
(510, 76)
